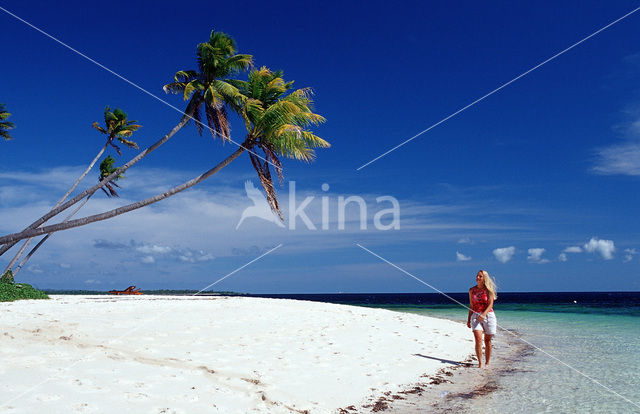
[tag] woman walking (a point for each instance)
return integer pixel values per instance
(481, 316)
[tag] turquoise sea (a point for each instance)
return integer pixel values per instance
(597, 335)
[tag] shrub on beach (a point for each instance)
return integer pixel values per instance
(10, 291)
(7, 277)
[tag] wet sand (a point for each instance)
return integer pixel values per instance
(458, 387)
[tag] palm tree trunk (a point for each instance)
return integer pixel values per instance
(64, 197)
(44, 239)
(53, 212)
(125, 209)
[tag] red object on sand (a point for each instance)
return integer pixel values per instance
(131, 290)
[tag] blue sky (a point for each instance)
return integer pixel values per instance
(550, 162)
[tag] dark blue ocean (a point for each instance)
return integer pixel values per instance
(584, 355)
(622, 303)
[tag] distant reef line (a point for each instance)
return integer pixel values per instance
(146, 292)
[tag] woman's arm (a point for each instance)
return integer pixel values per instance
(470, 311)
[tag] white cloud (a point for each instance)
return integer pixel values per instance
(573, 249)
(535, 255)
(57, 177)
(191, 256)
(604, 247)
(205, 257)
(92, 282)
(148, 259)
(148, 249)
(504, 254)
(198, 226)
(34, 268)
(562, 257)
(186, 258)
(65, 265)
(629, 254)
(621, 159)
(461, 257)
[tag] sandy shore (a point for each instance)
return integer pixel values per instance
(462, 388)
(164, 354)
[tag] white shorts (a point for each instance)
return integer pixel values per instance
(488, 325)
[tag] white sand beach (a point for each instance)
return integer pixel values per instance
(172, 354)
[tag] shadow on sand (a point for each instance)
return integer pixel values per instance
(444, 361)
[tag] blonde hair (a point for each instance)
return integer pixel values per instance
(490, 284)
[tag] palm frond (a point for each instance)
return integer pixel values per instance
(277, 121)
(238, 63)
(191, 87)
(174, 87)
(5, 125)
(184, 76)
(209, 85)
(3, 113)
(118, 127)
(99, 128)
(264, 174)
(197, 116)
(127, 142)
(217, 121)
(106, 169)
(4, 134)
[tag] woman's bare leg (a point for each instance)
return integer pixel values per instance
(478, 337)
(487, 348)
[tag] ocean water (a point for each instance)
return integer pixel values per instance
(585, 356)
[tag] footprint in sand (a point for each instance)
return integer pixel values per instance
(82, 408)
(182, 398)
(138, 396)
(167, 411)
(139, 386)
(47, 397)
(86, 385)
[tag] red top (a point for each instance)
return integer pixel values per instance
(479, 299)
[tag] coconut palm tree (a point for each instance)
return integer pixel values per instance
(106, 169)
(276, 124)
(5, 125)
(117, 128)
(206, 88)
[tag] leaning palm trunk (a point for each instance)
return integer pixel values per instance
(64, 197)
(33, 232)
(10, 242)
(45, 238)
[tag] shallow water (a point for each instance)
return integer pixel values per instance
(586, 356)
(574, 349)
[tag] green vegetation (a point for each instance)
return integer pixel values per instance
(106, 169)
(10, 291)
(118, 127)
(7, 277)
(276, 118)
(5, 125)
(209, 86)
